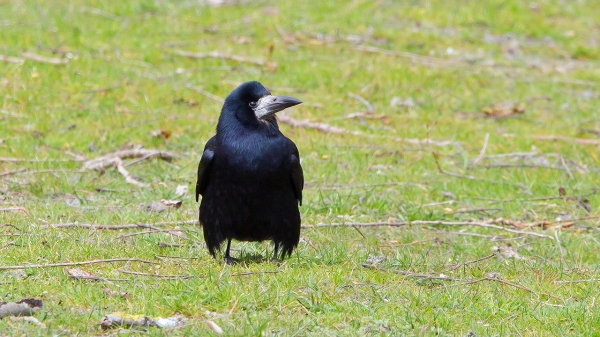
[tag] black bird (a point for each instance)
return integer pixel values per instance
(250, 176)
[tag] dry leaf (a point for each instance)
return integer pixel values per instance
(181, 190)
(155, 206)
(504, 109)
(80, 274)
(508, 252)
(28, 320)
(585, 205)
(118, 319)
(110, 292)
(161, 134)
(25, 307)
(172, 203)
(561, 191)
(214, 327)
(404, 103)
(161, 206)
(242, 40)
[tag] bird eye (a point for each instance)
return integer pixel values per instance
(252, 105)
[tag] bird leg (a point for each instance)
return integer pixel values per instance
(228, 259)
(276, 250)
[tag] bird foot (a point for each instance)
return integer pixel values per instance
(230, 260)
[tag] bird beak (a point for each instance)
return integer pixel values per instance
(268, 105)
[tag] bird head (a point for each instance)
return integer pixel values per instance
(251, 102)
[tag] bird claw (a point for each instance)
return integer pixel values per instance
(230, 260)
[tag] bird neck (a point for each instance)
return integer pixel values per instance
(229, 128)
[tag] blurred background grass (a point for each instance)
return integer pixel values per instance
(451, 72)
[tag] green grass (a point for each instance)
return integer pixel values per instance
(544, 56)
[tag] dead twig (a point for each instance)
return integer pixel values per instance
(256, 272)
(410, 243)
(562, 162)
(522, 166)
(370, 109)
(518, 286)
(205, 93)
(169, 244)
(28, 266)
(581, 141)
(168, 277)
(475, 210)
(428, 141)
(29, 160)
(14, 209)
(577, 281)
(411, 274)
(117, 227)
(574, 197)
(116, 159)
(107, 160)
(218, 55)
(430, 223)
(472, 262)
(426, 60)
(44, 59)
(11, 59)
(456, 175)
(25, 171)
(94, 91)
(311, 125)
(483, 148)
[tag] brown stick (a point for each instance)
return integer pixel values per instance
(116, 227)
(11, 59)
(116, 159)
(410, 243)
(522, 166)
(256, 272)
(44, 59)
(24, 171)
(577, 281)
(13, 209)
(109, 159)
(170, 277)
(407, 273)
(428, 141)
(21, 160)
(76, 263)
(430, 223)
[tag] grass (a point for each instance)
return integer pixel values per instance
(124, 81)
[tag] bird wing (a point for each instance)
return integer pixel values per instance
(296, 173)
(204, 166)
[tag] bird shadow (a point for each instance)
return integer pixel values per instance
(250, 258)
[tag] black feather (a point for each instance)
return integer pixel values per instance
(250, 177)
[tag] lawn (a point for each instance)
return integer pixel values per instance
(451, 154)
